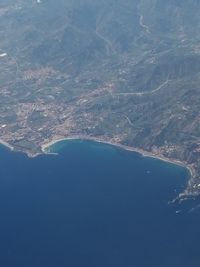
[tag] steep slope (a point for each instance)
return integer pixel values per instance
(120, 71)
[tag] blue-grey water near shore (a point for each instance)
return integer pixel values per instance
(94, 205)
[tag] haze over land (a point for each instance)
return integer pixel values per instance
(126, 72)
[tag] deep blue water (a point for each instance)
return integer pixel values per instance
(94, 205)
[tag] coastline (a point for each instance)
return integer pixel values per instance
(192, 189)
(7, 145)
(142, 152)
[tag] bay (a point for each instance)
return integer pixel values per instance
(94, 205)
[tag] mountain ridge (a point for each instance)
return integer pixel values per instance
(125, 72)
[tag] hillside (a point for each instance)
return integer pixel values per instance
(126, 72)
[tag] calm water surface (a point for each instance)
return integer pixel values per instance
(94, 206)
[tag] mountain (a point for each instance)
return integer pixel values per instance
(126, 72)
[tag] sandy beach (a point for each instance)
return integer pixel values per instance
(6, 144)
(144, 153)
(46, 146)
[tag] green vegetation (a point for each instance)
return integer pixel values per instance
(123, 71)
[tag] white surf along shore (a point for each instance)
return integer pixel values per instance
(6, 145)
(189, 192)
(46, 149)
(47, 146)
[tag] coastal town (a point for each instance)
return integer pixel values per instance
(139, 95)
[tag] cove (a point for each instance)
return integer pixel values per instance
(94, 205)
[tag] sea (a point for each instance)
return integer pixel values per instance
(95, 205)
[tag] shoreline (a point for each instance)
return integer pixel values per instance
(191, 190)
(142, 152)
(7, 145)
